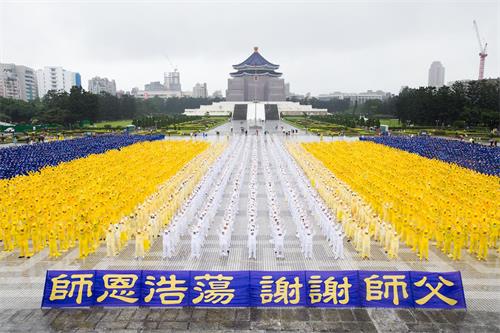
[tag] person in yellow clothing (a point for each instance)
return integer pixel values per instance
(139, 245)
(423, 241)
(482, 251)
(53, 246)
(393, 245)
(83, 242)
(22, 241)
(365, 244)
(7, 237)
(36, 238)
(447, 240)
(110, 242)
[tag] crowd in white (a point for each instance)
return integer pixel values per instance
(227, 175)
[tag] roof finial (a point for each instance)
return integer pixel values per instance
(256, 49)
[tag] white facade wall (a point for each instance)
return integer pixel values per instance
(200, 90)
(227, 108)
(55, 78)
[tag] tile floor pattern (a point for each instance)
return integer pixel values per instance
(21, 281)
(247, 320)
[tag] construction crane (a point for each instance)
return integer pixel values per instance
(170, 62)
(482, 52)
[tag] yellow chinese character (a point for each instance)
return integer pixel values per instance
(332, 290)
(315, 289)
(286, 292)
(374, 288)
(171, 291)
(218, 289)
(435, 291)
(119, 283)
(60, 287)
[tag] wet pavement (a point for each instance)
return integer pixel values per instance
(247, 320)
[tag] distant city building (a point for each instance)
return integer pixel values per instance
(354, 98)
(255, 79)
(56, 78)
(170, 88)
(18, 82)
(158, 93)
(287, 90)
(173, 81)
(436, 75)
(154, 86)
(217, 94)
(200, 90)
(99, 85)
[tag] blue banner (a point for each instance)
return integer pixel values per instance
(218, 289)
(333, 289)
(385, 289)
(398, 289)
(277, 288)
(68, 289)
(165, 288)
(437, 290)
(117, 288)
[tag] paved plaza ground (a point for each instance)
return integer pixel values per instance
(22, 281)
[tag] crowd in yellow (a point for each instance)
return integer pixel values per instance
(403, 196)
(350, 209)
(77, 202)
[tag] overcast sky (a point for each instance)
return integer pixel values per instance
(322, 46)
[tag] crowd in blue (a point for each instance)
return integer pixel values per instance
(481, 158)
(21, 160)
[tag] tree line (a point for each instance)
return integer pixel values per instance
(69, 109)
(163, 121)
(463, 104)
(347, 120)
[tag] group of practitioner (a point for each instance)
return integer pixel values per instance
(277, 227)
(358, 220)
(21, 160)
(205, 216)
(329, 226)
(179, 224)
(252, 204)
(145, 224)
(232, 208)
(477, 157)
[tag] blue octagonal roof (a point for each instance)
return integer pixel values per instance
(255, 61)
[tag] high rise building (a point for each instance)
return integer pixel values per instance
(56, 78)
(217, 94)
(436, 74)
(173, 81)
(154, 86)
(99, 85)
(18, 82)
(200, 90)
(255, 79)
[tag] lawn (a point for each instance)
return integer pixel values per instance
(391, 122)
(114, 123)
